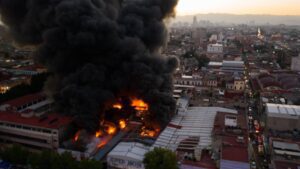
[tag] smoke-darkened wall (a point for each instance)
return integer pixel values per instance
(98, 50)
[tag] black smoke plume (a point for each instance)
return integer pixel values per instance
(98, 51)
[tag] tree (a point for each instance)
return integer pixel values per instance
(15, 154)
(160, 158)
(90, 164)
(202, 60)
(46, 159)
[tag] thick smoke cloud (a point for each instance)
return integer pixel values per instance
(98, 50)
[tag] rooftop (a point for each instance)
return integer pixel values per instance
(20, 101)
(288, 165)
(215, 64)
(286, 146)
(51, 121)
(239, 64)
(195, 122)
(224, 120)
(234, 153)
(130, 150)
(281, 109)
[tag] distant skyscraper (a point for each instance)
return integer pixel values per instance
(195, 22)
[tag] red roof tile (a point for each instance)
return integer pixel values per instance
(219, 123)
(51, 121)
(20, 101)
(235, 153)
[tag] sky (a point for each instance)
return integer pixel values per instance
(273, 7)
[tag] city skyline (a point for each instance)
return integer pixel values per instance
(268, 7)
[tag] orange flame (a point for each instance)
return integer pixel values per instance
(76, 138)
(139, 105)
(111, 130)
(98, 133)
(147, 132)
(122, 124)
(104, 141)
(101, 144)
(117, 106)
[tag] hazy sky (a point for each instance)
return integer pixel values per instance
(275, 7)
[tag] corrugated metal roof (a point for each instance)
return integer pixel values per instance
(194, 122)
(283, 109)
(286, 146)
(131, 150)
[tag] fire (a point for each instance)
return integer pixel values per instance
(98, 133)
(147, 132)
(111, 130)
(104, 141)
(139, 105)
(122, 124)
(117, 106)
(101, 144)
(76, 138)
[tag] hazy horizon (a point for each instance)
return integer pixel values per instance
(242, 18)
(238, 7)
(220, 13)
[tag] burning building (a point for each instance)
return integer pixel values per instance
(103, 55)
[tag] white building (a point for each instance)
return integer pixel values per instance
(215, 48)
(127, 155)
(189, 80)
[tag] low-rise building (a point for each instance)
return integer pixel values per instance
(295, 66)
(127, 155)
(233, 66)
(190, 131)
(282, 117)
(284, 154)
(230, 138)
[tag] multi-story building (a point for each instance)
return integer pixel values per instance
(189, 80)
(26, 120)
(215, 48)
(45, 132)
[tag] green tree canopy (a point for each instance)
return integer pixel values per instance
(46, 159)
(15, 154)
(202, 59)
(160, 158)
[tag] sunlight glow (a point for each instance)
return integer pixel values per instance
(274, 7)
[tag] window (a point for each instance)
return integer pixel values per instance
(46, 131)
(26, 128)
